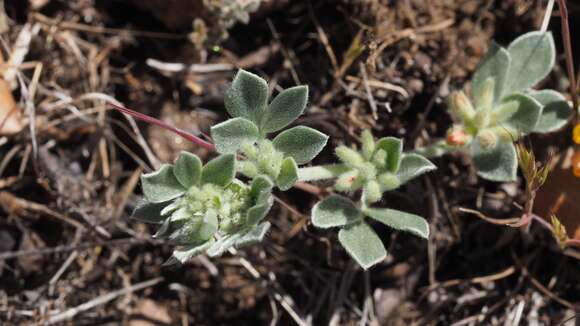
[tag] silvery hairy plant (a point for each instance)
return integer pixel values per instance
(504, 106)
(207, 209)
(378, 167)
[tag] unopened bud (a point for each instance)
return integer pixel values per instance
(368, 144)
(461, 107)
(485, 101)
(349, 156)
(380, 159)
(372, 192)
(248, 169)
(458, 137)
(389, 181)
(347, 181)
(487, 139)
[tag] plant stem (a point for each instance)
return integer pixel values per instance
(321, 172)
(187, 136)
(436, 149)
(568, 51)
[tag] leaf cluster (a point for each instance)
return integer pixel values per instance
(505, 107)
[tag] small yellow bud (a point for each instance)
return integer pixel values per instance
(461, 107)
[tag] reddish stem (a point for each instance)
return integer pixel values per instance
(568, 51)
(192, 138)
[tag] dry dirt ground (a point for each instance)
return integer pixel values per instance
(70, 255)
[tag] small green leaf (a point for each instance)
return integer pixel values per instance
(187, 169)
(533, 55)
(257, 213)
(149, 212)
(494, 64)
(161, 185)
(301, 143)
(528, 113)
(229, 135)
(393, 147)
(222, 245)
(334, 211)
(285, 108)
(412, 166)
(219, 171)
(499, 163)
(261, 184)
(255, 235)
(555, 112)
(247, 96)
(400, 221)
(186, 253)
(363, 244)
(288, 174)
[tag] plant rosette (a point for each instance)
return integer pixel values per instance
(378, 167)
(254, 119)
(505, 107)
(204, 209)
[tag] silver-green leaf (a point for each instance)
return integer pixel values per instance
(186, 253)
(301, 143)
(149, 212)
(400, 220)
(412, 166)
(555, 112)
(334, 211)
(394, 148)
(288, 174)
(220, 171)
(247, 96)
(533, 55)
(187, 169)
(528, 114)
(255, 235)
(499, 163)
(229, 135)
(363, 244)
(285, 108)
(161, 185)
(495, 64)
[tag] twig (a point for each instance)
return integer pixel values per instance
(70, 313)
(370, 97)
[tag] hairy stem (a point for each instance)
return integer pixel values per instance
(321, 172)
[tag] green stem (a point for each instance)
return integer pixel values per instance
(321, 172)
(436, 149)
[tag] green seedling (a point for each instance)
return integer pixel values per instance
(504, 106)
(378, 167)
(207, 209)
